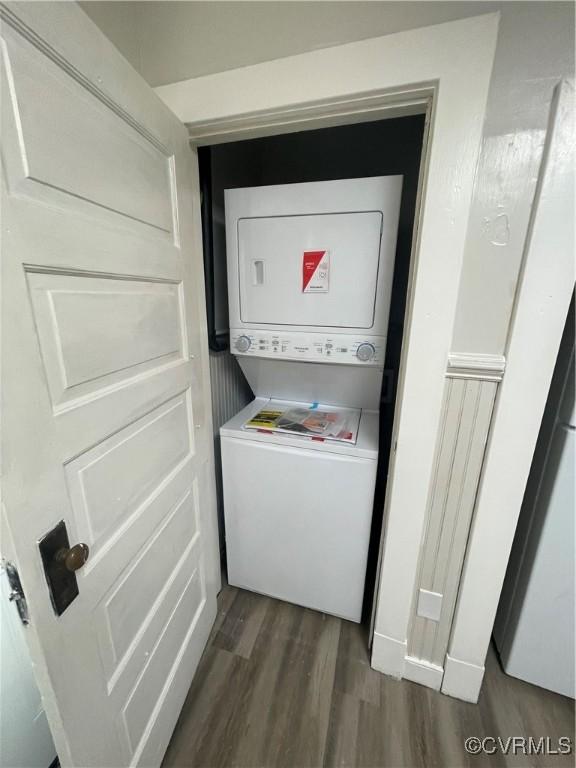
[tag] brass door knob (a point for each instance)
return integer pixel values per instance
(74, 558)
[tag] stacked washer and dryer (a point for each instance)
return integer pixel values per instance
(310, 270)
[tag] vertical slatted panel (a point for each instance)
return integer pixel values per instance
(230, 390)
(230, 393)
(467, 412)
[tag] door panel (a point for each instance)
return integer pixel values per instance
(72, 312)
(68, 140)
(105, 388)
(144, 586)
(115, 480)
(163, 660)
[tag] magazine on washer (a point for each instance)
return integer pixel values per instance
(320, 422)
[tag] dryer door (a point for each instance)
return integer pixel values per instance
(310, 271)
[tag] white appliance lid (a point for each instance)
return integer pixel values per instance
(310, 421)
(366, 446)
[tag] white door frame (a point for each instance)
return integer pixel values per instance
(449, 67)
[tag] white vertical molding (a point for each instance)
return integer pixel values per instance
(542, 302)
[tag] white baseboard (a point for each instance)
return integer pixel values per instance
(459, 679)
(462, 680)
(388, 655)
(422, 672)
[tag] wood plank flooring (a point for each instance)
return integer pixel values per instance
(281, 686)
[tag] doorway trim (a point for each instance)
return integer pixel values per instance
(446, 69)
(360, 109)
(543, 298)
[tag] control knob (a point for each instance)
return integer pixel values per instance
(243, 344)
(365, 352)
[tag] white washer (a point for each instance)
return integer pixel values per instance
(298, 513)
(310, 270)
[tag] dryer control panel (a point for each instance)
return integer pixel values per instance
(341, 349)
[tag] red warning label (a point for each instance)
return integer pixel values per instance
(315, 271)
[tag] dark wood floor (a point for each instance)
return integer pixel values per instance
(281, 686)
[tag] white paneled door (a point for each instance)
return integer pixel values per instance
(106, 409)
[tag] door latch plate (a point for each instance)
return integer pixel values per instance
(62, 583)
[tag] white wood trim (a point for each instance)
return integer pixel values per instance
(422, 361)
(377, 106)
(454, 60)
(388, 655)
(471, 365)
(542, 303)
(462, 680)
(424, 673)
(415, 240)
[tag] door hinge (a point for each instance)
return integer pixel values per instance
(16, 594)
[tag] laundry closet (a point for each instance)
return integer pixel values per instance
(307, 244)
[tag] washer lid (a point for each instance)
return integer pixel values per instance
(366, 437)
(313, 421)
(310, 270)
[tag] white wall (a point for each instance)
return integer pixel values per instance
(120, 22)
(25, 739)
(535, 50)
(171, 41)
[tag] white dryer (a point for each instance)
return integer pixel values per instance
(310, 270)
